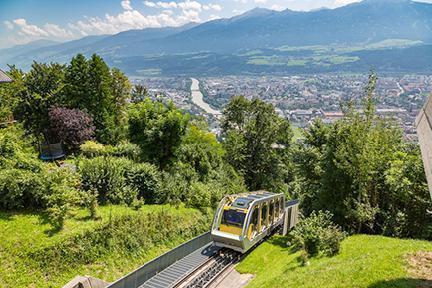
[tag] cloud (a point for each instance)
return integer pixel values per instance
(126, 5)
(260, 1)
(210, 6)
(129, 18)
(150, 4)
(190, 5)
(344, 2)
(28, 29)
(167, 5)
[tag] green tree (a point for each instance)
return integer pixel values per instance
(257, 142)
(201, 150)
(158, 129)
(43, 86)
(91, 86)
(359, 168)
(101, 104)
(77, 83)
(139, 93)
(121, 91)
(8, 92)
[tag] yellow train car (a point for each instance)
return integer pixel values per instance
(243, 220)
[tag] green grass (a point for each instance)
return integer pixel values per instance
(364, 261)
(298, 133)
(23, 233)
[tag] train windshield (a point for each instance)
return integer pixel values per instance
(233, 218)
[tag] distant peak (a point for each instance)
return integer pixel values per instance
(257, 12)
(385, 1)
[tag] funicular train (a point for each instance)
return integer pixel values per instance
(243, 220)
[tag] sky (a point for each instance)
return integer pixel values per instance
(23, 21)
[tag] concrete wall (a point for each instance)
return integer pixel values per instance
(148, 270)
(424, 132)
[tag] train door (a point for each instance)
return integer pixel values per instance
(271, 212)
(264, 216)
(281, 206)
(276, 208)
(253, 224)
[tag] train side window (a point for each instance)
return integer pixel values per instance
(271, 212)
(277, 209)
(281, 205)
(264, 216)
(253, 225)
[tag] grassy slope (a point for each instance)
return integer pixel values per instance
(23, 232)
(364, 261)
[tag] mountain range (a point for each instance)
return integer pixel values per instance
(389, 35)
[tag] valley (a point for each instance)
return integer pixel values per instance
(299, 98)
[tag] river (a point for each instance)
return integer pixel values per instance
(198, 99)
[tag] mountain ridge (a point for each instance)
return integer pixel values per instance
(361, 23)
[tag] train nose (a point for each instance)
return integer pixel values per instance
(227, 240)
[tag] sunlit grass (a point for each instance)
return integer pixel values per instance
(364, 261)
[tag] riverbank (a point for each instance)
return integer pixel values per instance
(198, 99)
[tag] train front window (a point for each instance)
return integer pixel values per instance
(233, 218)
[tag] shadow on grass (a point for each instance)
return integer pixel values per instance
(278, 240)
(44, 219)
(402, 283)
(5, 215)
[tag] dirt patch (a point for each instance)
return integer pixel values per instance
(420, 267)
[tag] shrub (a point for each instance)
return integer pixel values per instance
(21, 189)
(200, 195)
(89, 199)
(128, 196)
(70, 126)
(92, 149)
(128, 150)
(146, 179)
(17, 151)
(105, 175)
(317, 234)
(62, 195)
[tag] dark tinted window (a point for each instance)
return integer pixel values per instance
(233, 218)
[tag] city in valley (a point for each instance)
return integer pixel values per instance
(299, 98)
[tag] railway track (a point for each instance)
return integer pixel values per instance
(205, 275)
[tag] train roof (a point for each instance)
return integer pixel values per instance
(244, 200)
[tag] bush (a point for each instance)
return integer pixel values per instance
(72, 127)
(62, 195)
(17, 151)
(21, 189)
(317, 235)
(146, 179)
(105, 175)
(92, 149)
(89, 199)
(127, 149)
(200, 195)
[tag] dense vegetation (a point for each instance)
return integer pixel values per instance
(124, 148)
(119, 241)
(362, 170)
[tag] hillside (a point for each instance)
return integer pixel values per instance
(285, 41)
(364, 261)
(33, 255)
